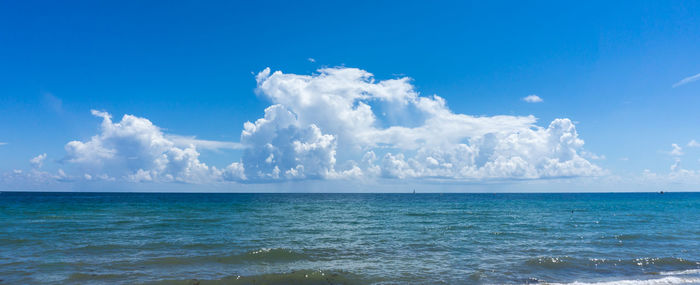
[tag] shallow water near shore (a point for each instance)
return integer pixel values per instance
(130, 238)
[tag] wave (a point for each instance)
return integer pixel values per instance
(311, 277)
(687, 276)
(275, 254)
(93, 277)
(681, 272)
(101, 247)
(15, 241)
(628, 237)
(261, 255)
(566, 261)
(145, 246)
(665, 280)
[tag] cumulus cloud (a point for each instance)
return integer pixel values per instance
(38, 161)
(687, 80)
(341, 122)
(134, 149)
(532, 99)
(693, 143)
(280, 147)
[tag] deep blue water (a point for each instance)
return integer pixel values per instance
(116, 238)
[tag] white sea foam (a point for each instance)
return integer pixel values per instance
(657, 281)
(682, 272)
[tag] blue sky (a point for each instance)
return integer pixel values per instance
(189, 68)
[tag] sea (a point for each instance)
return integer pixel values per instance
(166, 238)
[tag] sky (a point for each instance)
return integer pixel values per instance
(356, 96)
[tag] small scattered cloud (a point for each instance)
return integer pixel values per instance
(624, 158)
(677, 176)
(687, 80)
(593, 156)
(676, 166)
(693, 143)
(597, 157)
(38, 161)
(532, 99)
(676, 151)
(311, 59)
(3, 143)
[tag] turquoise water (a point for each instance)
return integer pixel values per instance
(90, 238)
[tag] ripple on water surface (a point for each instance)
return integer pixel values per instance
(349, 238)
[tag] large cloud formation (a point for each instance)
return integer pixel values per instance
(338, 122)
(134, 149)
(341, 123)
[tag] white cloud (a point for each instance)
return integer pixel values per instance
(136, 150)
(21, 179)
(185, 141)
(3, 143)
(341, 123)
(676, 150)
(311, 59)
(280, 147)
(676, 166)
(679, 177)
(320, 125)
(593, 156)
(532, 99)
(687, 80)
(38, 161)
(693, 143)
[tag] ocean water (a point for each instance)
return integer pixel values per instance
(114, 238)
